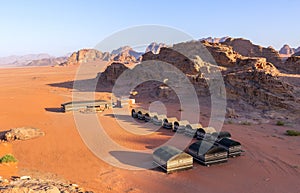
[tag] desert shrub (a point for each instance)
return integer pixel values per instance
(245, 123)
(292, 133)
(8, 158)
(280, 123)
(229, 122)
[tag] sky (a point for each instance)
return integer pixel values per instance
(58, 27)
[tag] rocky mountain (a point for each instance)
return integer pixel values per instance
(250, 82)
(86, 55)
(297, 54)
(248, 49)
(155, 47)
(126, 55)
(48, 61)
(22, 60)
(215, 40)
(287, 50)
(292, 64)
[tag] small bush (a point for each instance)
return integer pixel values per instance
(292, 133)
(280, 123)
(230, 122)
(8, 158)
(245, 123)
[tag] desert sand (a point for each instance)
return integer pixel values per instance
(270, 164)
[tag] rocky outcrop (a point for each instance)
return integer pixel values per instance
(155, 47)
(287, 50)
(223, 55)
(126, 55)
(251, 79)
(48, 61)
(111, 73)
(246, 48)
(292, 64)
(23, 133)
(85, 56)
(297, 53)
(215, 40)
(25, 184)
(173, 57)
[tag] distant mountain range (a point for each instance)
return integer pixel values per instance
(31, 60)
(287, 50)
(126, 54)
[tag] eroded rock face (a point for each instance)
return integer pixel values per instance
(23, 133)
(287, 50)
(86, 55)
(246, 48)
(155, 47)
(292, 64)
(170, 56)
(112, 72)
(223, 55)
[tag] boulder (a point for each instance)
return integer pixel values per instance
(23, 133)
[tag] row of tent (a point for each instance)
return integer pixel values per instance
(182, 126)
(211, 147)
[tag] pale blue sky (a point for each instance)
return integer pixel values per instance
(58, 27)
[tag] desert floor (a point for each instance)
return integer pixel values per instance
(32, 97)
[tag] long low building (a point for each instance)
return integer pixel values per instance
(85, 105)
(172, 159)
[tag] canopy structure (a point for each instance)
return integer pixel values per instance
(234, 148)
(172, 159)
(191, 129)
(141, 114)
(179, 126)
(158, 119)
(149, 116)
(84, 105)
(201, 133)
(207, 153)
(168, 123)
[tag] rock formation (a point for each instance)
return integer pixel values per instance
(253, 80)
(215, 40)
(126, 55)
(246, 48)
(23, 133)
(287, 50)
(292, 64)
(155, 47)
(48, 61)
(86, 55)
(111, 73)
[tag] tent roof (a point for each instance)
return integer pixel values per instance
(228, 142)
(205, 147)
(172, 119)
(89, 102)
(195, 126)
(166, 153)
(183, 122)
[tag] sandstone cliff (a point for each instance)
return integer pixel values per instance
(86, 55)
(247, 48)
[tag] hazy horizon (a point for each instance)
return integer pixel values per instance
(58, 28)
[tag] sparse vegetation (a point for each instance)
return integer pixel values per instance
(8, 158)
(245, 123)
(280, 123)
(229, 122)
(292, 133)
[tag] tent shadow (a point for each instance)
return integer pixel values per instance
(54, 110)
(136, 159)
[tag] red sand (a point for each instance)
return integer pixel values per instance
(271, 162)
